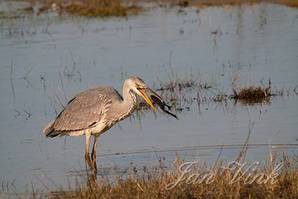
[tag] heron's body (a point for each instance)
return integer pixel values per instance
(94, 111)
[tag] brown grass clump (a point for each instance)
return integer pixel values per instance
(89, 8)
(252, 94)
(100, 8)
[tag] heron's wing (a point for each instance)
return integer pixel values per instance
(86, 109)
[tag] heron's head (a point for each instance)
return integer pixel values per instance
(138, 86)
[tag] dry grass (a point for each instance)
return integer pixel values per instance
(157, 184)
(105, 8)
(89, 8)
(102, 8)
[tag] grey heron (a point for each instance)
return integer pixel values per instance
(94, 111)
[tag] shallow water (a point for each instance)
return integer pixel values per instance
(46, 60)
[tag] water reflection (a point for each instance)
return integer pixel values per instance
(45, 61)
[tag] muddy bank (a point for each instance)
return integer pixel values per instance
(120, 8)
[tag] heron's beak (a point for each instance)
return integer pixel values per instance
(146, 98)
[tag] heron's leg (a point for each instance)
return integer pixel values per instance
(87, 134)
(93, 153)
(87, 154)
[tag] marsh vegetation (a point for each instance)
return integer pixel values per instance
(120, 8)
(276, 177)
(151, 186)
(182, 92)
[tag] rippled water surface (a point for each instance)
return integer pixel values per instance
(46, 60)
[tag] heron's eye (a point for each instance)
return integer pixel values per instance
(138, 86)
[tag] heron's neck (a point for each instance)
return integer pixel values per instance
(129, 101)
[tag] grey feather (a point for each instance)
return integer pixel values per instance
(84, 110)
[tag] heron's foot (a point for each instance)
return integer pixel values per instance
(94, 166)
(91, 161)
(87, 156)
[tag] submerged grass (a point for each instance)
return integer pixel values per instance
(183, 92)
